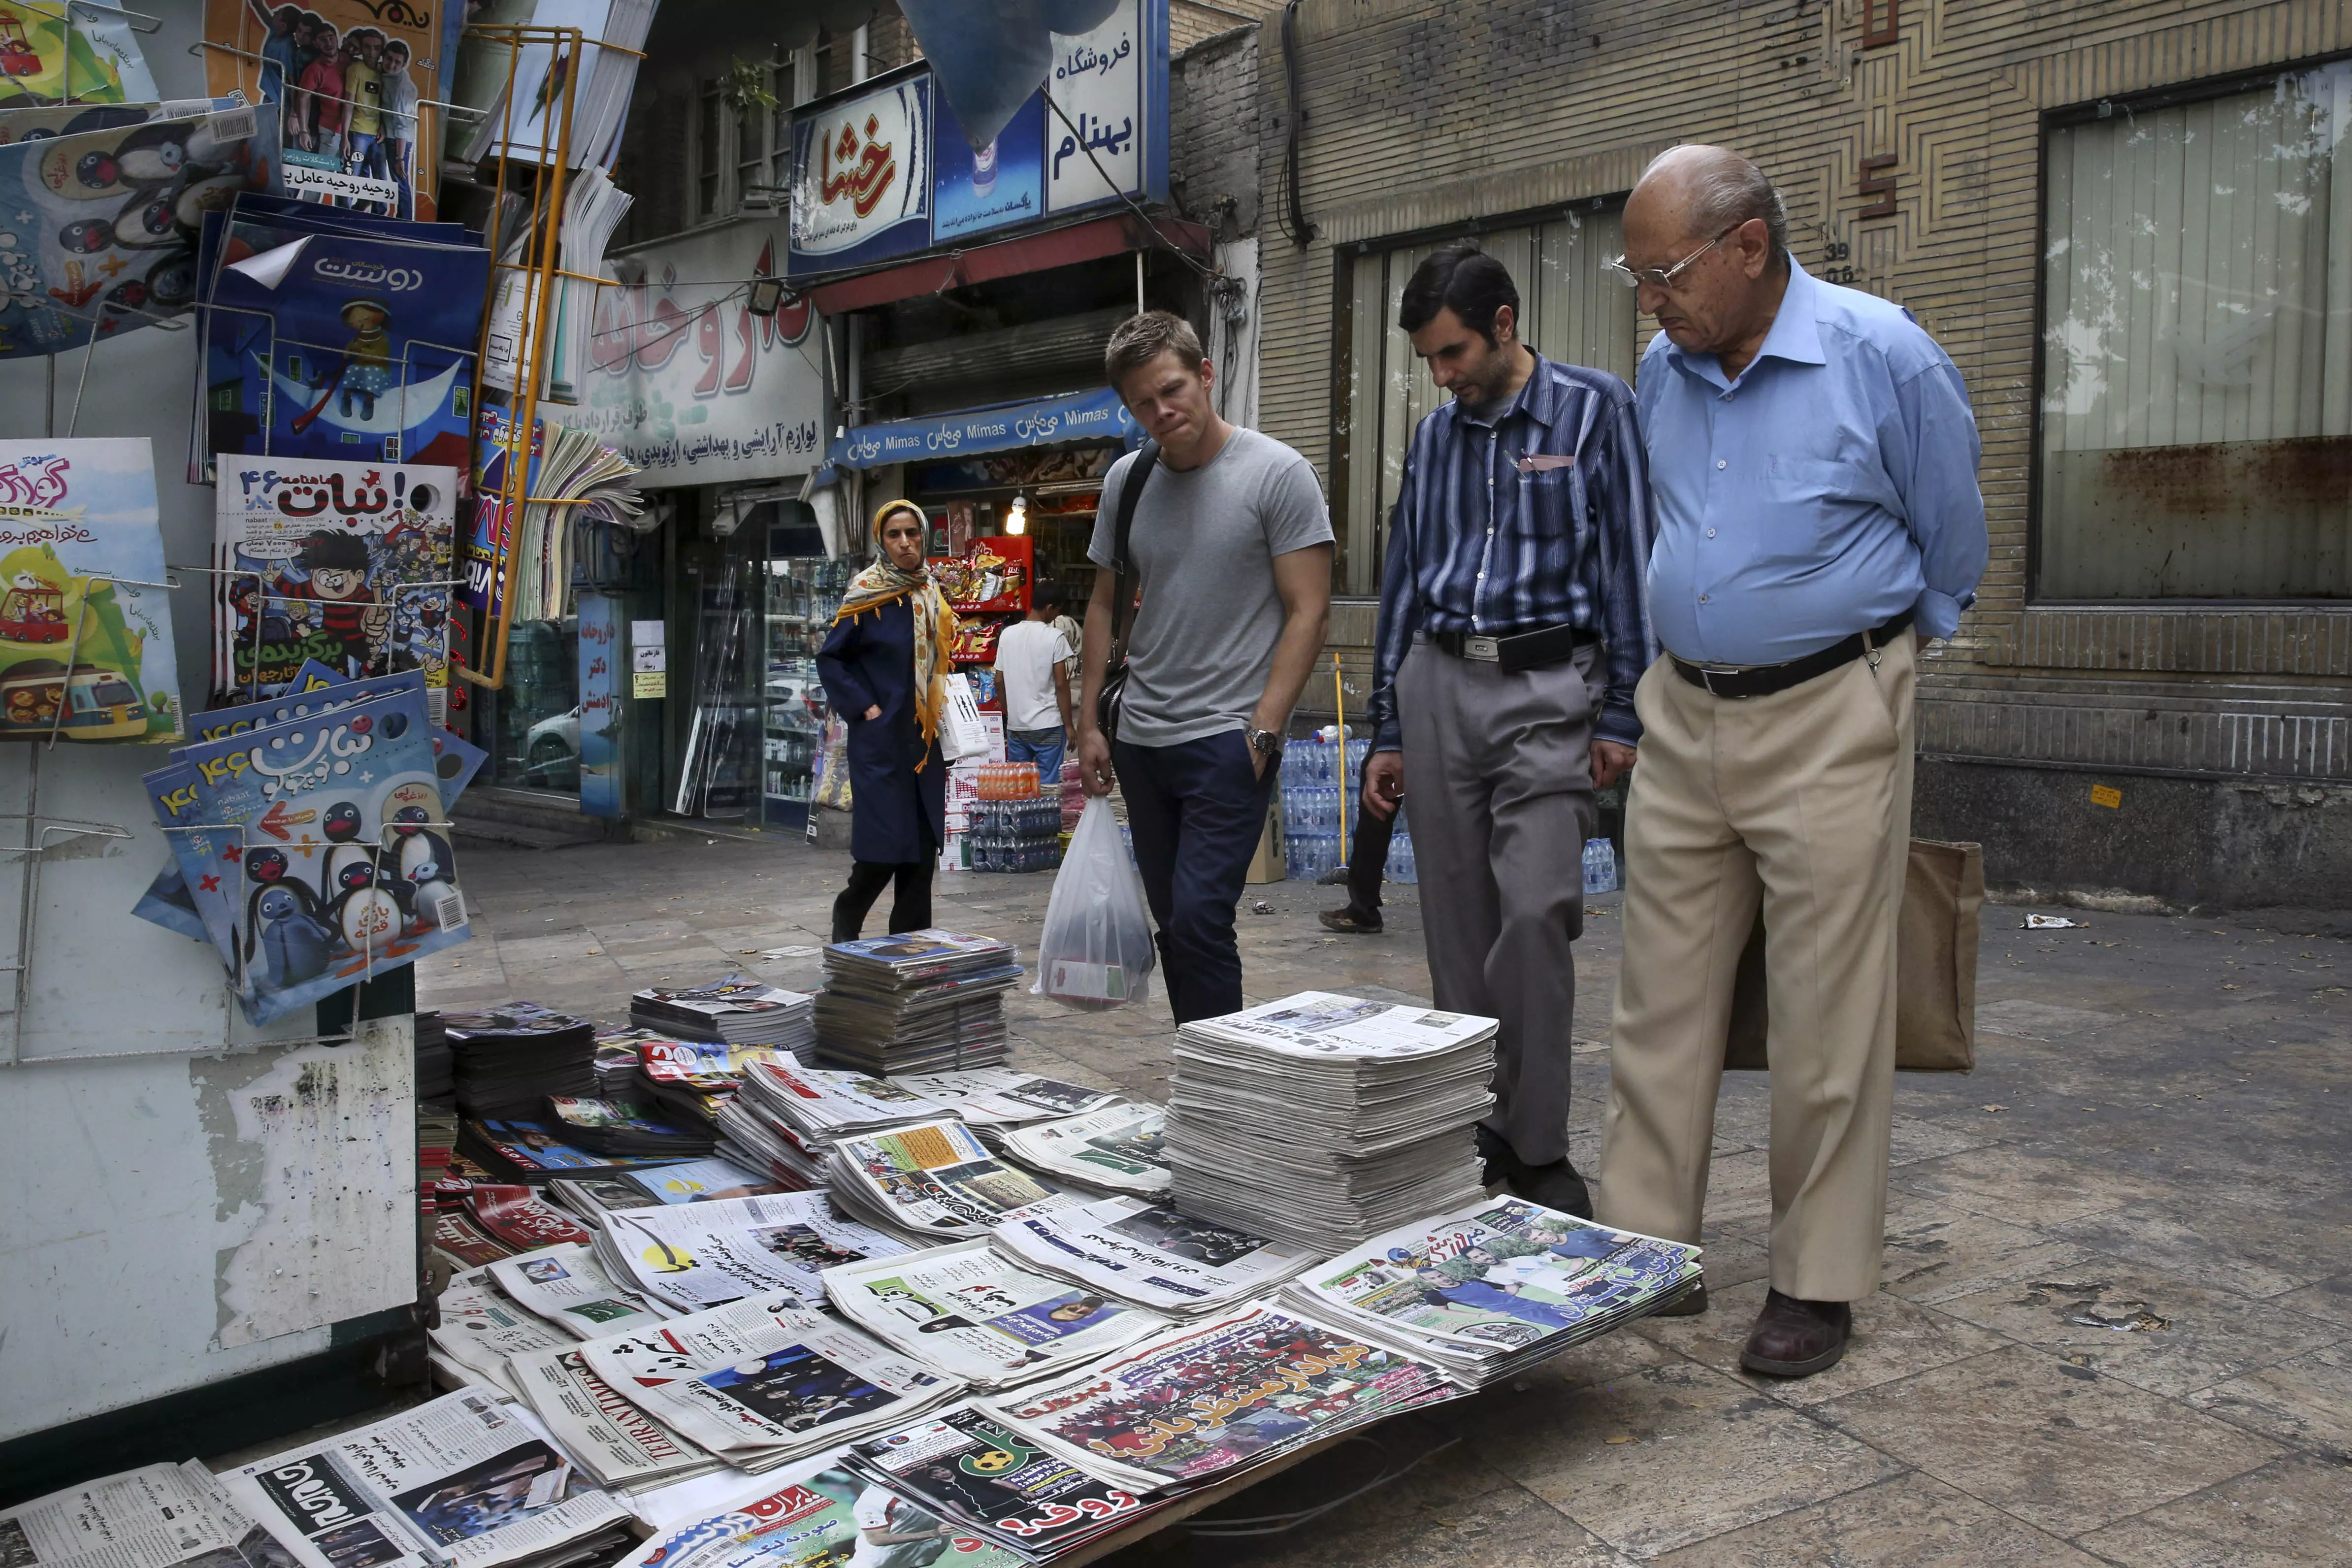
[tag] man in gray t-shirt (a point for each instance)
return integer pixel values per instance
(1231, 548)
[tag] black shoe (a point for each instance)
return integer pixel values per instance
(1556, 1186)
(1796, 1338)
(1692, 1303)
(1497, 1155)
(1349, 922)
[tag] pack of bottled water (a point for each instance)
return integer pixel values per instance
(1600, 866)
(1319, 773)
(1016, 835)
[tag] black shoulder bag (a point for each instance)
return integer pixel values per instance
(1122, 597)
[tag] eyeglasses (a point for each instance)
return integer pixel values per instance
(1664, 277)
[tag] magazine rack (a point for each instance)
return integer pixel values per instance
(541, 181)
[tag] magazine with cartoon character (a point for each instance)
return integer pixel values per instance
(330, 562)
(98, 231)
(331, 861)
(345, 346)
(70, 54)
(85, 622)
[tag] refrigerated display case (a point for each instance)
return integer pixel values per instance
(804, 591)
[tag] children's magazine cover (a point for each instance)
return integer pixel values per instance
(52, 53)
(85, 622)
(337, 866)
(100, 228)
(332, 563)
(345, 346)
(356, 82)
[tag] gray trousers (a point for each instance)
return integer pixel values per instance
(1498, 784)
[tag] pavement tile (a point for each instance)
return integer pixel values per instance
(2222, 1246)
(1935, 1252)
(2290, 1514)
(2018, 1182)
(1892, 1339)
(1911, 1522)
(2306, 1402)
(1917, 1138)
(2056, 1446)
(2328, 1299)
(2197, 1337)
(1672, 1455)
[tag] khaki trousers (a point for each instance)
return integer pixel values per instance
(1802, 799)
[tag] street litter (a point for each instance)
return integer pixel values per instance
(2052, 922)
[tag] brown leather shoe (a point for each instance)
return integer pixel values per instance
(1796, 1338)
(1692, 1302)
(1350, 922)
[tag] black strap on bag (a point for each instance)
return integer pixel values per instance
(1122, 598)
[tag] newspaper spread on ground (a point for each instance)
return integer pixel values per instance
(1117, 1147)
(620, 1444)
(975, 1313)
(706, 1254)
(1151, 1255)
(766, 1380)
(972, 1470)
(1187, 1405)
(566, 1286)
(1488, 1289)
(821, 1105)
(158, 1516)
(985, 1097)
(468, 1478)
(934, 1182)
(817, 1514)
(480, 1329)
(687, 1182)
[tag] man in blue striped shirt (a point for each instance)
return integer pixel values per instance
(1513, 628)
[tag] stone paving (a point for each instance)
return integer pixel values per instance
(2116, 1319)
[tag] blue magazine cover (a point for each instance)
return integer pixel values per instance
(340, 346)
(339, 868)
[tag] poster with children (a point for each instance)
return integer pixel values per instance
(345, 564)
(85, 622)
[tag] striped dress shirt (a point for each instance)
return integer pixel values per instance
(1540, 517)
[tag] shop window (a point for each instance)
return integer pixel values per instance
(1570, 310)
(2195, 414)
(710, 151)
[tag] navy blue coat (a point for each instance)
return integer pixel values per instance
(898, 814)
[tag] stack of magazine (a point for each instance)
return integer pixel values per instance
(1322, 1118)
(961, 1465)
(1150, 1254)
(731, 1011)
(507, 1061)
(933, 1182)
(598, 1198)
(816, 1514)
(917, 1002)
(693, 1078)
(1486, 1291)
(786, 1118)
(696, 1255)
(623, 1128)
(535, 1152)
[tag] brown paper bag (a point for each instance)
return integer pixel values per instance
(1935, 968)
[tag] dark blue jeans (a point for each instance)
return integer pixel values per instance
(1197, 811)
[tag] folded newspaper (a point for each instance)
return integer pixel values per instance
(933, 1182)
(689, 1181)
(707, 1255)
(482, 1328)
(158, 1516)
(468, 1479)
(1322, 1119)
(567, 1287)
(1203, 1399)
(1150, 1254)
(761, 1383)
(818, 1514)
(973, 1312)
(1005, 1097)
(1500, 1285)
(619, 1444)
(976, 1472)
(1118, 1147)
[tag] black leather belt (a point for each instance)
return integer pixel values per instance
(1523, 651)
(1764, 680)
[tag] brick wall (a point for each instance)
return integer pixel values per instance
(1424, 113)
(1213, 140)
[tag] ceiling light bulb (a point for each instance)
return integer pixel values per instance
(1016, 521)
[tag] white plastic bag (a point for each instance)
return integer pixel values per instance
(961, 733)
(1096, 952)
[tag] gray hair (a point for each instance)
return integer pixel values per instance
(1726, 190)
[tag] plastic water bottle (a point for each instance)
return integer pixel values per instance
(1600, 866)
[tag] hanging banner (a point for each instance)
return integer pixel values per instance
(861, 177)
(692, 386)
(600, 706)
(1048, 421)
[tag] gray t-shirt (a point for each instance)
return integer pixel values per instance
(1204, 544)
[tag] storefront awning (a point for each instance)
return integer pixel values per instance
(1008, 427)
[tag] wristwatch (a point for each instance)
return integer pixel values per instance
(1266, 742)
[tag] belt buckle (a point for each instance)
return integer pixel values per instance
(1707, 672)
(1479, 648)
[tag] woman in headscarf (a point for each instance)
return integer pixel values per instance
(884, 668)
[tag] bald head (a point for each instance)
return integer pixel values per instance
(1697, 192)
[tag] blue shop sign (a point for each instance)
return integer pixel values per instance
(1047, 422)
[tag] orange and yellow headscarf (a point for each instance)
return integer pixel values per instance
(935, 624)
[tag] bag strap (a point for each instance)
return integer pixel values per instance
(1123, 601)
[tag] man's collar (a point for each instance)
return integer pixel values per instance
(1536, 398)
(1795, 335)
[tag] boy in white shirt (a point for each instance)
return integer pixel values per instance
(1029, 663)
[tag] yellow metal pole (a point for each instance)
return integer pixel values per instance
(1339, 708)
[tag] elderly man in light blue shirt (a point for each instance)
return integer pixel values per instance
(1813, 465)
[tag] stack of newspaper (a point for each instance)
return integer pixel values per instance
(696, 1255)
(1188, 1405)
(787, 1117)
(1005, 1097)
(158, 1516)
(732, 1011)
(596, 1198)
(1321, 1118)
(973, 1312)
(481, 1222)
(507, 1061)
(617, 1442)
(963, 1467)
(470, 1478)
(1116, 1149)
(765, 1380)
(567, 1286)
(932, 1182)
(818, 1514)
(480, 1329)
(1150, 1254)
(1501, 1284)
(916, 1002)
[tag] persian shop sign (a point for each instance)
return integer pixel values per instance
(862, 177)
